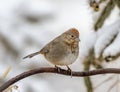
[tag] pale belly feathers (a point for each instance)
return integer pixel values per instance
(69, 59)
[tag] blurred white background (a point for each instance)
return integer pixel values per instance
(27, 25)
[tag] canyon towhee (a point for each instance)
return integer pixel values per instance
(63, 50)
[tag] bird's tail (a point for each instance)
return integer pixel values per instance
(31, 55)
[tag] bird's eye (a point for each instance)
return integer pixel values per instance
(72, 35)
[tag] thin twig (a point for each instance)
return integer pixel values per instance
(112, 86)
(6, 72)
(54, 70)
(117, 87)
(106, 80)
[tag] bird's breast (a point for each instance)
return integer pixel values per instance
(69, 59)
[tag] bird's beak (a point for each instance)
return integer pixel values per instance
(77, 39)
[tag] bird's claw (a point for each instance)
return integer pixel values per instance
(68, 69)
(58, 68)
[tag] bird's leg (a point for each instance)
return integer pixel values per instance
(69, 70)
(58, 68)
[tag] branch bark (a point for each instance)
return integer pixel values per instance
(105, 14)
(54, 70)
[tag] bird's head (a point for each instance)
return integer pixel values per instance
(71, 36)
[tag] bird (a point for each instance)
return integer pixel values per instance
(61, 51)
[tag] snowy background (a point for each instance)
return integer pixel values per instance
(27, 25)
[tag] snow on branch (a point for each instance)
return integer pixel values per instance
(114, 48)
(108, 42)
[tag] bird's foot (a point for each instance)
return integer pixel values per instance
(68, 68)
(58, 68)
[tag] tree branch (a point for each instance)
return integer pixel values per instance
(54, 70)
(105, 14)
(87, 63)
